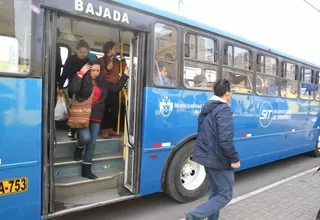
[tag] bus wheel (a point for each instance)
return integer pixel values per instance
(185, 180)
(316, 152)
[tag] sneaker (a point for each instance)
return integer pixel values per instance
(71, 134)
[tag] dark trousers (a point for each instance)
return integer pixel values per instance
(221, 189)
(110, 116)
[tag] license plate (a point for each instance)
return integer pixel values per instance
(11, 186)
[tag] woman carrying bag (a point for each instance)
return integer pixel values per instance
(87, 110)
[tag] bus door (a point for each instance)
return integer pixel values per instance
(50, 38)
(132, 149)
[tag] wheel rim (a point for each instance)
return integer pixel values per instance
(318, 144)
(192, 175)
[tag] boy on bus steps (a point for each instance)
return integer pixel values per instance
(215, 150)
(87, 81)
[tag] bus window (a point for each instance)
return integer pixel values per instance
(306, 85)
(199, 75)
(240, 82)
(15, 36)
(238, 57)
(198, 72)
(289, 81)
(206, 49)
(65, 52)
(166, 55)
(266, 78)
(317, 87)
(240, 76)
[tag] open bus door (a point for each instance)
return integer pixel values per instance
(131, 153)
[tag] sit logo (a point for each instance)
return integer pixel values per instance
(266, 114)
(166, 107)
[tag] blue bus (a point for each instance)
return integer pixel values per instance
(173, 63)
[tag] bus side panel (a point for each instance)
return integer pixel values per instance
(20, 146)
(265, 128)
(167, 126)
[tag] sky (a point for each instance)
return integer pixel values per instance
(290, 26)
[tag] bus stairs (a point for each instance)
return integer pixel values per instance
(107, 164)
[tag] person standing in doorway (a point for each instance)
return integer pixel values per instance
(214, 149)
(112, 67)
(72, 65)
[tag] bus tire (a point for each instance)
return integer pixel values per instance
(316, 152)
(185, 180)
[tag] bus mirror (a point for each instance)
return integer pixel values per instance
(186, 50)
(9, 55)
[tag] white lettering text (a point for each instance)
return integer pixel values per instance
(78, 5)
(101, 11)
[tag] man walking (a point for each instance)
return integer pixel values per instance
(215, 150)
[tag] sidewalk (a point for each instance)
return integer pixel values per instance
(298, 198)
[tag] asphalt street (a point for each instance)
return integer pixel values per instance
(159, 206)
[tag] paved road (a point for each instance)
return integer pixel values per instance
(159, 206)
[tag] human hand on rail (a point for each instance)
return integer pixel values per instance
(126, 70)
(235, 165)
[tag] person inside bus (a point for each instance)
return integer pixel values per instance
(170, 67)
(87, 81)
(111, 72)
(200, 81)
(161, 77)
(72, 65)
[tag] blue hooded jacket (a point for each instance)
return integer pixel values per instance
(214, 145)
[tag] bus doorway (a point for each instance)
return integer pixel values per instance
(115, 158)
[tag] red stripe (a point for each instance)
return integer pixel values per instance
(158, 145)
(244, 135)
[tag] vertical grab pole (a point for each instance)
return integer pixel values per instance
(125, 125)
(121, 54)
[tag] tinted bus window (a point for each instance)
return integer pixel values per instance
(15, 36)
(266, 78)
(165, 55)
(289, 80)
(199, 53)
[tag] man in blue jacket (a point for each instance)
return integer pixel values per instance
(215, 150)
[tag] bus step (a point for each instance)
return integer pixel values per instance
(64, 167)
(66, 149)
(98, 197)
(70, 186)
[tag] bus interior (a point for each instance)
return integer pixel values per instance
(71, 190)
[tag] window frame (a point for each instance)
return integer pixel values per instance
(215, 40)
(215, 64)
(153, 54)
(229, 43)
(283, 76)
(313, 80)
(276, 77)
(317, 83)
(32, 44)
(241, 71)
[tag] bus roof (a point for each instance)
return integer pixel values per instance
(188, 21)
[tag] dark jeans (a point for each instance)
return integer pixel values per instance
(110, 116)
(88, 137)
(221, 188)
